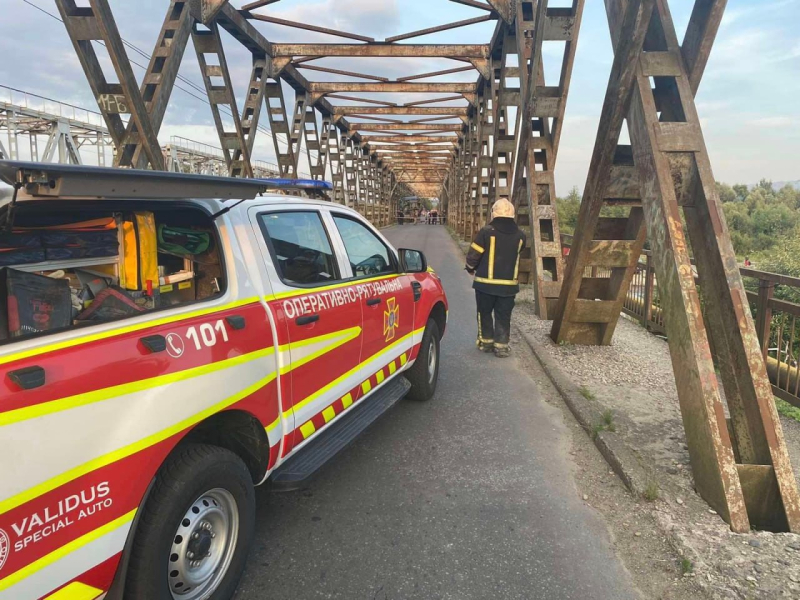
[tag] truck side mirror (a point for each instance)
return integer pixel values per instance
(412, 261)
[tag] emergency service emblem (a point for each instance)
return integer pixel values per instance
(391, 318)
(5, 547)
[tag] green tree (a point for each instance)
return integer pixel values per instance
(726, 193)
(568, 209)
(784, 258)
(741, 192)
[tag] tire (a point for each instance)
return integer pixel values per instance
(194, 490)
(424, 373)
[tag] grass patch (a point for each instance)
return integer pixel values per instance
(564, 343)
(586, 393)
(686, 566)
(651, 492)
(608, 420)
(787, 410)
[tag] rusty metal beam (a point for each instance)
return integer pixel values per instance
(438, 28)
(404, 127)
(208, 42)
(432, 101)
(340, 72)
(97, 23)
(741, 469)
(475, 4)
(409, 138)
(505, 8)
(700, 35)
(314, 28)
(326, 87)
(436, 73)
(399, 110)
(258, 4)
(357, 99)
(382, 50)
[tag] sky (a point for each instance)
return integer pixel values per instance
(748, 100)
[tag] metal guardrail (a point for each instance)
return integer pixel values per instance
(777, 319)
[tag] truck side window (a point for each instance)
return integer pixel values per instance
(368, 255)
(300, 247)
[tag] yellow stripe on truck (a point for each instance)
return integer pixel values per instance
(75, 591)
(46, 408)
(64, 550)
(129, 450)
(146, 324)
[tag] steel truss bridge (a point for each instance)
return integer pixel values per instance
(30, 119)
(497, 135)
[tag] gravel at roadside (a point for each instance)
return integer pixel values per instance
(633, 378)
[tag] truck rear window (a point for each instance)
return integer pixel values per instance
(68, 268)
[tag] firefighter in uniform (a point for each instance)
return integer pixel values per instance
(493, 260)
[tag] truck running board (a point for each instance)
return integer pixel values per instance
(300, 468)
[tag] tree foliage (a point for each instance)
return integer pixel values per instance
(761, 219)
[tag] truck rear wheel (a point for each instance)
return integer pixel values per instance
(196, 528)
(424, 373)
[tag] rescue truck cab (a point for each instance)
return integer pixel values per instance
(169, 341)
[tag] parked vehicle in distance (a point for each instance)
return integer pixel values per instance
(169, 341)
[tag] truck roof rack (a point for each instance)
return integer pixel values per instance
(47, 180)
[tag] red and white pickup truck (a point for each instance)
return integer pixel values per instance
(169, 341)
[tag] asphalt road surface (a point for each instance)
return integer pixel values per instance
(468, 496)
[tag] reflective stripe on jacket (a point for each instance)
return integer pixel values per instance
(494, 257)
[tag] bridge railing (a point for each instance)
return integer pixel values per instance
(774, 302)
(47, 106)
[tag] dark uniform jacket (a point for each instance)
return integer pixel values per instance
(494, 257)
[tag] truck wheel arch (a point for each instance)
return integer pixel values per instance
(439, 314)
(235, 430)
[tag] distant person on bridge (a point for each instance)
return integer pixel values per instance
(493, 259)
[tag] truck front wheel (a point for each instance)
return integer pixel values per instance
(196, 528)
(424, 373)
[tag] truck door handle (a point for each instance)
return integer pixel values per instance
(154, 343)
(236, 321)
(28, 378)
(417, 287)
(307, 320)
(373, 301)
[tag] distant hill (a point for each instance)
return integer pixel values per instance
(776, 185)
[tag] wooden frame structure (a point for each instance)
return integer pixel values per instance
(470, 142)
